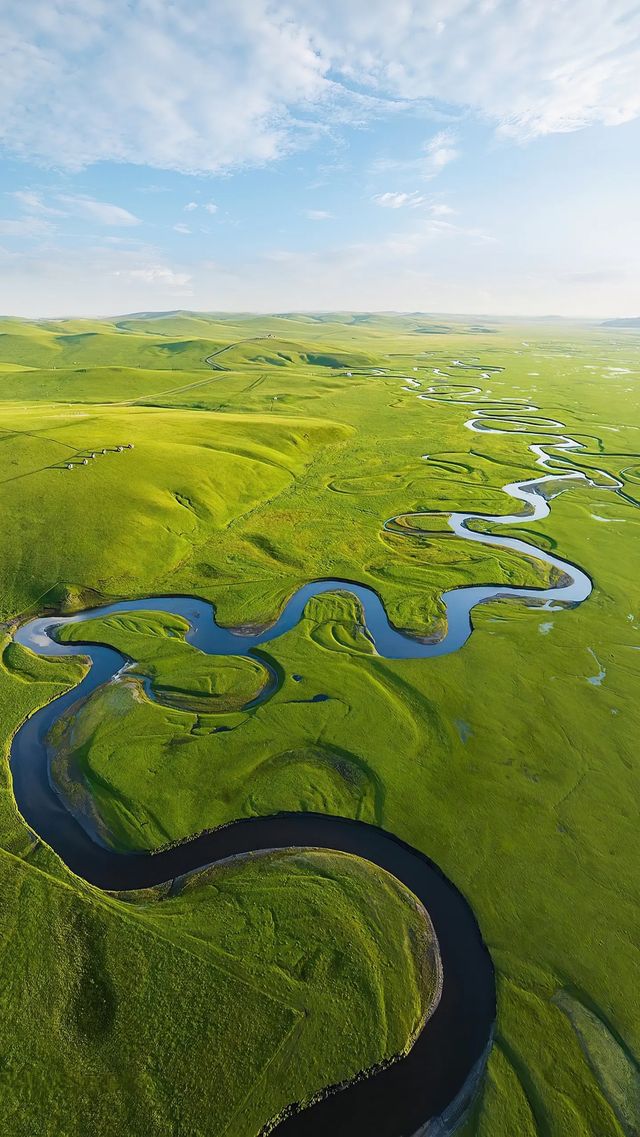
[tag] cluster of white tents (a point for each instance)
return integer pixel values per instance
(95, 453)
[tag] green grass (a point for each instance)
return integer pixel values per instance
(162, 504)
(182, 1015)
(504, 763)
(126, 1013)
(180, 674)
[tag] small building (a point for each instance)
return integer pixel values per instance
(69, 465)
(85, 461)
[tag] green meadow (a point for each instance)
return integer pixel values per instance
(512, 763)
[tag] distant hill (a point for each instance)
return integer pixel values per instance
(629, 322)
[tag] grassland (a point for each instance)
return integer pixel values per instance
(506, 763)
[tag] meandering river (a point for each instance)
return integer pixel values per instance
(439, 1074)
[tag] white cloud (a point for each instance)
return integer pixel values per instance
(101, 278)
(435, 228)
(214, 87)
(419, 241)
(157, 274)
(208, 206)
(420, 238)
(440, 150)
(182, 228)
(531, 68)
(318, 215)
(399, 200)
(77, 205)
(436, 153)
(245, 81)
(31, 202)
(101, 211)
(413, 200)
(24, 227)
(437, 268)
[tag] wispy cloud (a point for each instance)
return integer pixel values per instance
(28, 227)
(435, 228)
(318, 215)
(399, 246)
(157, 275)
(431, 159)
(440, 209)
(102, 212)
(439, 151)
(420, 239)
(182, 228)
(31, 202)
(414, 200)
(208, 206)
(36, 210)
(392, 200)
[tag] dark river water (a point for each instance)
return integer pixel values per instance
(440, 1071)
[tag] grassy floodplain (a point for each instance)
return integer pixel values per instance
(513, 763)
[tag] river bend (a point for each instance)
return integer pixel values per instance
(441, 1071)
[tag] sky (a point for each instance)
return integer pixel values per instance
(461, 156)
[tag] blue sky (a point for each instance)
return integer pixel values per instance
(439, 156)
